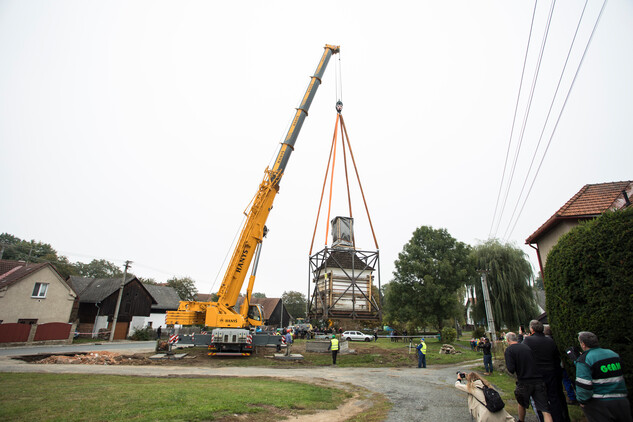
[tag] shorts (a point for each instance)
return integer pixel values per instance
(524, 391)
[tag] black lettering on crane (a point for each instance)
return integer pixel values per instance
(240, 264)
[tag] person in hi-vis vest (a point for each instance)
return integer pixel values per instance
(421, 348)
(334, 348)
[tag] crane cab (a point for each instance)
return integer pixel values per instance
(255, 315)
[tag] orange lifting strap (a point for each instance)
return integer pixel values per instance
(332, 160)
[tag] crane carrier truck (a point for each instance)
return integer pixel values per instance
(231, 330)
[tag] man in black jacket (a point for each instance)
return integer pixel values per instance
(548, 364)
(487, 349)
(519, 360)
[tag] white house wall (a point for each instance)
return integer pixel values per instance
(137, 323)
(16, 302)
(154, 320)
(100, 323)
(548, 241)
(157, 320)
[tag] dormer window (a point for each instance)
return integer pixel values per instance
(39, 291)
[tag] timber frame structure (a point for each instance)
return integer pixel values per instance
(354, 277)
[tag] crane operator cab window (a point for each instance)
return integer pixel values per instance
(255, 312)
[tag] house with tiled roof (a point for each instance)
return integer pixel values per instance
(98, 299)
(166, 298)
(207, 297)
(33, 293)
(590, 202)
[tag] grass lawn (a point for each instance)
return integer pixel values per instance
(38, 396)
(55, 397)
(382, 353)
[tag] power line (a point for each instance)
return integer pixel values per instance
(562, 109)
(527, 112)
(560, 79)
(516, 107)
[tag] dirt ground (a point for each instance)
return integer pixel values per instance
(198, 357)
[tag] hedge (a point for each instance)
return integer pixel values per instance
(589, 286)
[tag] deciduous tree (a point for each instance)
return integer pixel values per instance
(17, 249)
(429, 272)
(98, 268)
(295, 303)
(185, 287)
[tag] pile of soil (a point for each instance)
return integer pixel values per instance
(95, 358)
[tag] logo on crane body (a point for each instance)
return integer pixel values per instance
(240, 264)
(229, 320)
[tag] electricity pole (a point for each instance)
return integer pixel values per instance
(281, 315)
(118, 302)
(487, 305)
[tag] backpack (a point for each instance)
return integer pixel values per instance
(493, 403)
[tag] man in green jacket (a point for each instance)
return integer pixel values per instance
(600, 387)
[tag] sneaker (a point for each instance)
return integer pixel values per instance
(486, 373)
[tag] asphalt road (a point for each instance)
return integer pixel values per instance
(417, 394)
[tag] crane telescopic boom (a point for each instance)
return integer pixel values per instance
(221, 313)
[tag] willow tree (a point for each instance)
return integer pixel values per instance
(508, 277)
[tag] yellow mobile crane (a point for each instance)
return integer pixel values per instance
(231, 332)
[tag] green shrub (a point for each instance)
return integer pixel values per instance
(589, 285)
(143, 334)
(449, 335)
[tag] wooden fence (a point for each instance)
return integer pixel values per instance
(29, 333)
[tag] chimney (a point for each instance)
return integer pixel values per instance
(626, 198)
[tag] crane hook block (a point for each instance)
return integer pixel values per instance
(339, 106)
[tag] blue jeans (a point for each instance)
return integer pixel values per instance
(421, 360)
(488, 363)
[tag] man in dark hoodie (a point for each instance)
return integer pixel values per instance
(548, 363)
(519, 360)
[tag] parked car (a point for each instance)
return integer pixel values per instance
(356, 336)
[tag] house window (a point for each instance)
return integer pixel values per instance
(27, 321)
(39, 291)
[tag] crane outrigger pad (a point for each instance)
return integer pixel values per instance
(293, 356)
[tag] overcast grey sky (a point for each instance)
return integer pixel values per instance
(140, 130)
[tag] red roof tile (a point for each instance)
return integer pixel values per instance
(12, 271)
(591, 201)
